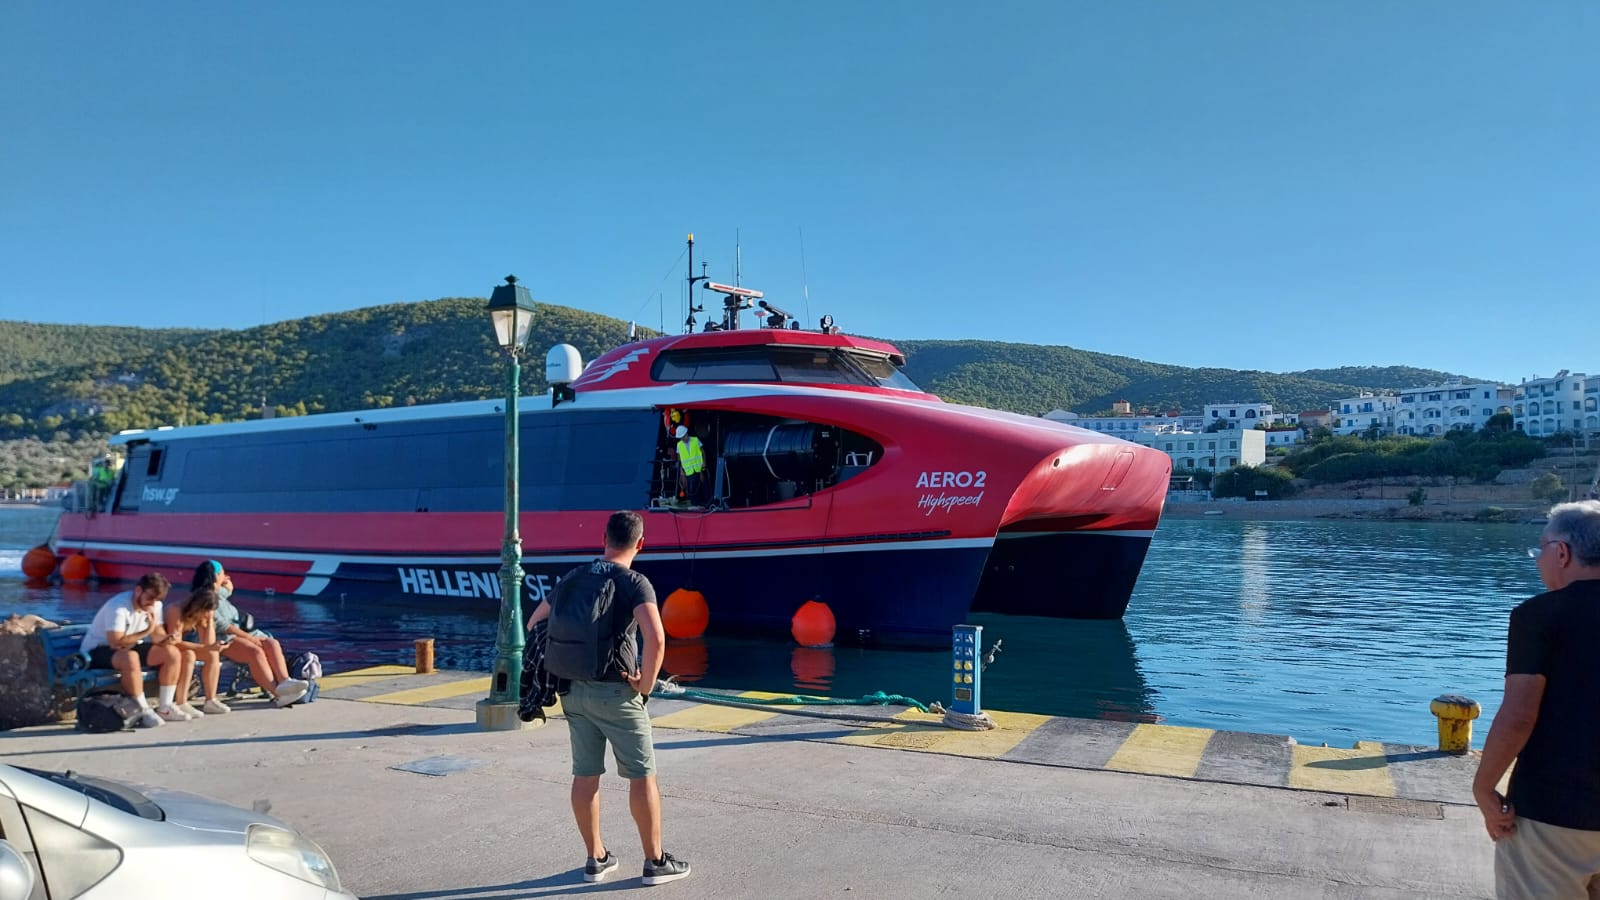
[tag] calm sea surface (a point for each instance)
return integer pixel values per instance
(1327, 631)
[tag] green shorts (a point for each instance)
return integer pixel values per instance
(601, 711)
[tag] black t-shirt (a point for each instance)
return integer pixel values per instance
(1557, 776)
(632, 589)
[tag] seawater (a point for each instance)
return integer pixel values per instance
(1326, 630)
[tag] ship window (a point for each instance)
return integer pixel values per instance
(153, 467)
(791, 365)
(716, 365)
(883, 370)
(812, 367)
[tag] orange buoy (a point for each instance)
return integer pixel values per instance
(686, 660)
(812, 667)
(76, 568)
(685, 614)
(812, 625)
(39, 562)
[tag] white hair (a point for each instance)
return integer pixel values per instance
(1578, 526)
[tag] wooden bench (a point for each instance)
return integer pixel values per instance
(69, 675)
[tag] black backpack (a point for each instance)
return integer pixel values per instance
(582, 639)
(99, 713)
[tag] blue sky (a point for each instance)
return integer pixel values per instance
(1276, 185)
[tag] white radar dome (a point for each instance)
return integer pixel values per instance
(562, 365)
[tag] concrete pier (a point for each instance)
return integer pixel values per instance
(390, 774)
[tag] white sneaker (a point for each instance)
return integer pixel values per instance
(190, 711)
(215, 707)
(290, 692)
(172, 713)
(149, 719)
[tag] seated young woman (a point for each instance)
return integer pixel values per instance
(254, 648)
(198, 614)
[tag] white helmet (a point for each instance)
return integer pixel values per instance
(682, 432)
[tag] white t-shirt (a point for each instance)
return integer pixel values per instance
(118, 615)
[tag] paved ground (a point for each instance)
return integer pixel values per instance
(801, 805)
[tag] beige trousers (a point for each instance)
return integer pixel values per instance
(1547, 862)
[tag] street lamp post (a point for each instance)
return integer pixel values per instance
(511, 309)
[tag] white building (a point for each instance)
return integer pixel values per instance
(1455, 405)
(1283, 437)
(1545, 406)
(1210, 451)
(1355, 415)
(1124, 426)
(1238, 415)
(1591, 405)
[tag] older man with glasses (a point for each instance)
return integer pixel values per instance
(1546, 827)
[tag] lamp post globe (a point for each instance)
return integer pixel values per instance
(511, 311)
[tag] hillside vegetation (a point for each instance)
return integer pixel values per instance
(395, 355)
(1034, 379)
(28, 349)
(74, 382)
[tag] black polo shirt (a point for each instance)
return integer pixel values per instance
(1557, 776)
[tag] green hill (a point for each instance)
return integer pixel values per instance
(31, 349)
(61, 381)
(1034, 379)
(394, 355)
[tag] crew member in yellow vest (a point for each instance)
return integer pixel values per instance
(692, 462)
(102, 479)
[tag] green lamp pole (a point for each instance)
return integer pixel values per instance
(511, 308)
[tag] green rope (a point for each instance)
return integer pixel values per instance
(877, 698)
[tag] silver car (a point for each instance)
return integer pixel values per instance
(67, 835)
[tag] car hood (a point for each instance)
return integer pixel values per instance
(203, 813)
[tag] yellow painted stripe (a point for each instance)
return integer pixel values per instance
(710, 717)
(417, 696)
(1161, 750)
(925, 732)
(1363, 770)
(362, 676)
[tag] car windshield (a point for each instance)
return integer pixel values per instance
(111, 793)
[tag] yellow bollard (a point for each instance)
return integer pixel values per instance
(1455, 714)
(425, 657)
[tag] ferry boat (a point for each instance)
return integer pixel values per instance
(834, 478)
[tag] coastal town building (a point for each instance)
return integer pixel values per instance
(1591, 406)
(1283, 434)
(1541, 407)
(1432, 410)
(1313, 418)
(1366, 412)
(1238, 415)
(1210, 451)
(1122, 426)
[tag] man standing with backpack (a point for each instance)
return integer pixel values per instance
(596, 614)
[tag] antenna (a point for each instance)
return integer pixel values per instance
(689, 322)
(737, 256)
(805, 284)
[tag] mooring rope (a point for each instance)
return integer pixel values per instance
(674, 691)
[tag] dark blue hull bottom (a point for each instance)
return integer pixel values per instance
(884, 595)
(1072, 575)
(887, 595)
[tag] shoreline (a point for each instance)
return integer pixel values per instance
(1395, 510)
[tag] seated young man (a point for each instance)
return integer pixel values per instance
(127, 635)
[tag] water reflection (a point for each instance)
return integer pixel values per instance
(812, 668)
(1254, 571)
(1329, 630)
(686, 660)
